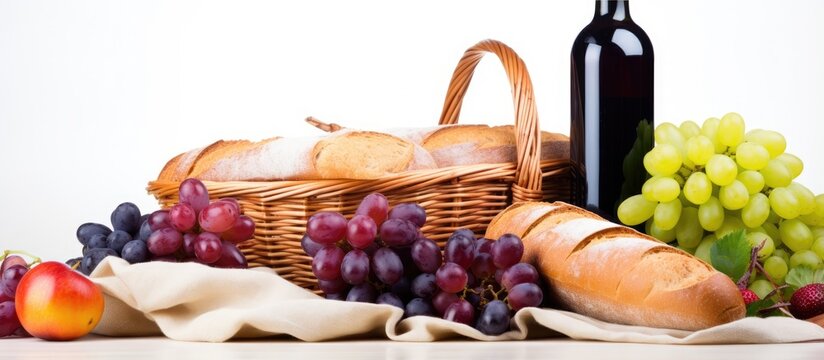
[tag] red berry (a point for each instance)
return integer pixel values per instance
(749, 296)
(808, 301)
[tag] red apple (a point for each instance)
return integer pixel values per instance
(55, 302)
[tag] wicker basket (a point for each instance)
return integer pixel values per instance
(455, 197)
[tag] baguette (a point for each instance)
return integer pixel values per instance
(616, 274)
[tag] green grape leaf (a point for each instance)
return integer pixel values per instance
(731, 255)
(755, 307)
(800, 276)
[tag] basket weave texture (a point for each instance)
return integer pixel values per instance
(454, 197)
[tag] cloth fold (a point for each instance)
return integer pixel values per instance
(193, 302)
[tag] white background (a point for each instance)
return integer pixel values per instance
(95, 96)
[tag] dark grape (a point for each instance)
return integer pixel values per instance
(423, 286)
(451, 277)
(231, 257)
(507, 251)
(518, 274)
(460, 311)
(21, 332)
(73, 263)
(145, 231)
(97, 241)
(11, 278)
(525, 295)
(390, 299)
(361, 231)
(409, 211)
(12, 260)
(208, 247)
(459, 250)
(9, 323)
(242, 230)
(427, 255)
(483, 245)
(327, 262)
(474, 299)
(482, 266)
(418, 307)
(387, 266)
(87, 230)
(494, 319)
(471, 281)
(159, 219)
(464, 232)
(370, 250)
(189, 244)
(144, 218)
(403, 288)
(336, 286)
(311, 247)
(442, 300)
(326, 227)
(3, 296)
(409, 267)
(218, 216)
(117, 239)
(164, 241)
(126, 217)
(233, 202)
(499, 275)
(375, 206)
(93, 258)
(398, 232)
(183, 217)
(193, 192)
(355, 267)
(338, 296)
(362, 293)
(135, 251)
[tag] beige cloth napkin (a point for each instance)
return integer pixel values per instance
(197, 303)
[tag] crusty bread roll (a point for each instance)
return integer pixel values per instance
(452, 145)
(616, 274)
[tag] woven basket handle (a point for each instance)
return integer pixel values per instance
(527, 185)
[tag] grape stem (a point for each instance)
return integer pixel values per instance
(745, 279)
(485, 286)
(35, 260)
(782, 304)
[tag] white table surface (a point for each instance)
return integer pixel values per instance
(96, 347)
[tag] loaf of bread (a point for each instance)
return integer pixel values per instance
(352, 154)
(616, 274)
(344, 154)
(452, 145)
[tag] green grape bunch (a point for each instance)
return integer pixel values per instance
(709, 181)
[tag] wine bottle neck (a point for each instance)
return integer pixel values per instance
(612, 9)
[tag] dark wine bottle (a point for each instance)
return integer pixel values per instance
(612, 109)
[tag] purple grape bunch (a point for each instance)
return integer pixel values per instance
(195, 229)
(12, 269)
(381, 256)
